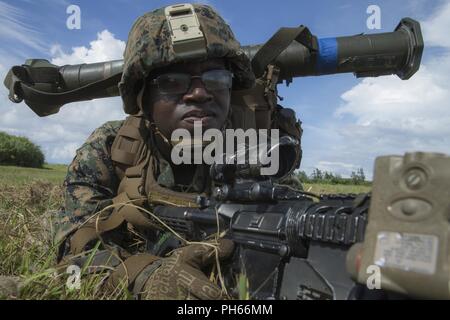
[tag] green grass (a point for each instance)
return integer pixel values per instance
(26, 248)
(51, 173)
(320, 188)
(27, 252)
(55, 173)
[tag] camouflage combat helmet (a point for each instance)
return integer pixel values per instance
(152, 43)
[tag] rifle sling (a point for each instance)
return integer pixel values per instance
(277, 44)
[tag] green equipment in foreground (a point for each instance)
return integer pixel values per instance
(407, 236)
(390, 244)
(45, 87)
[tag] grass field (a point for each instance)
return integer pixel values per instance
(320, 188)
(53, 173)
(26, 249)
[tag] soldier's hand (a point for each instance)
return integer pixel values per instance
(180, 275)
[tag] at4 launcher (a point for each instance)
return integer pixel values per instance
(289, 53)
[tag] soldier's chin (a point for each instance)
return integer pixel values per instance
(208, 122)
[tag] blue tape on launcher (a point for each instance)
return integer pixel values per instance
(328, 55)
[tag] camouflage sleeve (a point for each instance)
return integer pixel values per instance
(91, 181)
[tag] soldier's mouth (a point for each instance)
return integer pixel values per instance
(198, 115)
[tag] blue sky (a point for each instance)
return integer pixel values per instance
(338, 116)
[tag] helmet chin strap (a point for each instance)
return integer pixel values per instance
(154, 129)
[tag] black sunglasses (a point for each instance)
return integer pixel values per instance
(179, 83)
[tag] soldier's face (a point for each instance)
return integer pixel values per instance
(171, 111)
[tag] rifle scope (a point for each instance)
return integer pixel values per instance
(46, 87)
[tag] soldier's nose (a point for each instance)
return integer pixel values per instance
(197, 93)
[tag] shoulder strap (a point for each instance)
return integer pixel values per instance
(139, 187)
(278, 43)
(158, 194)
(129, 143)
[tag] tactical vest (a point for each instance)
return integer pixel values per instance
(135, 164)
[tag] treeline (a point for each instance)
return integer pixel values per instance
(20, 151)
(319, 176)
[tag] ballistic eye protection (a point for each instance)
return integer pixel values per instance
(180, 83)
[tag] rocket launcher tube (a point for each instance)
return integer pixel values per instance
(373, 55)
(46, 87)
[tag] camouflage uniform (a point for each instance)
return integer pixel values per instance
(92, 182)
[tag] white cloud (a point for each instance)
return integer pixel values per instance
(437, 26)
(59, 135)
(105, 47)
(66, 151)
(385, 115)
(419, 106)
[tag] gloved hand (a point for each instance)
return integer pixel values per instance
(180, 275)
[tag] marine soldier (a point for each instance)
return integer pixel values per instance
(125, 165)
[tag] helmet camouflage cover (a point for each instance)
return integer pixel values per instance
(149, 47)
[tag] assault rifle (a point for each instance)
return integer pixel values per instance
(290, 244)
